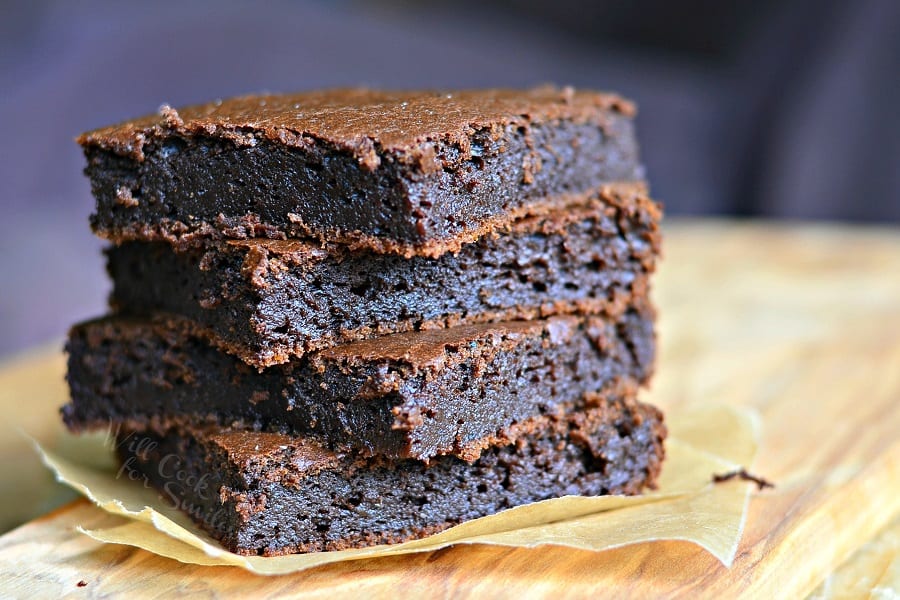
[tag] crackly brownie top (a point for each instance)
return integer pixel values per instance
(267, 451)
(631, 198)
(277, 457)
(366, 122)
(438, 348)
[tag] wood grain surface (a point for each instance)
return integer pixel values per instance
(872, 572)
(801, 322)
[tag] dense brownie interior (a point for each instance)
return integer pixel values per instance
(269, 494)
(269, 300)
(415, 394)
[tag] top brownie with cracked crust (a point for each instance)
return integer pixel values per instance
(412, 173)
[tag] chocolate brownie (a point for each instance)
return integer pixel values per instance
(417, 394)
(270, 494)
(269, 300)
(399, 172)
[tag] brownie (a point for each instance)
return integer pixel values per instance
(398, 172)
(270, 494)
(267, 301)
(417, 394)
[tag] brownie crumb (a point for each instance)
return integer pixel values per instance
(124, 197)
(743, 475)
(170, 116)
(82, 583)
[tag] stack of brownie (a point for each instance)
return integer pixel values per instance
(352, 317)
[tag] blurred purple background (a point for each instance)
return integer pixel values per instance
(751, 108)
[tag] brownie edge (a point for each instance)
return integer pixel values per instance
(270, 494)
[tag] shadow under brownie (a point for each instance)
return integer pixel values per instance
(270, 494)
(269, 300)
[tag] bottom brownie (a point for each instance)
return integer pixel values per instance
(269, 493)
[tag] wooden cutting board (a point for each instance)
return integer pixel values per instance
(801, 322)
